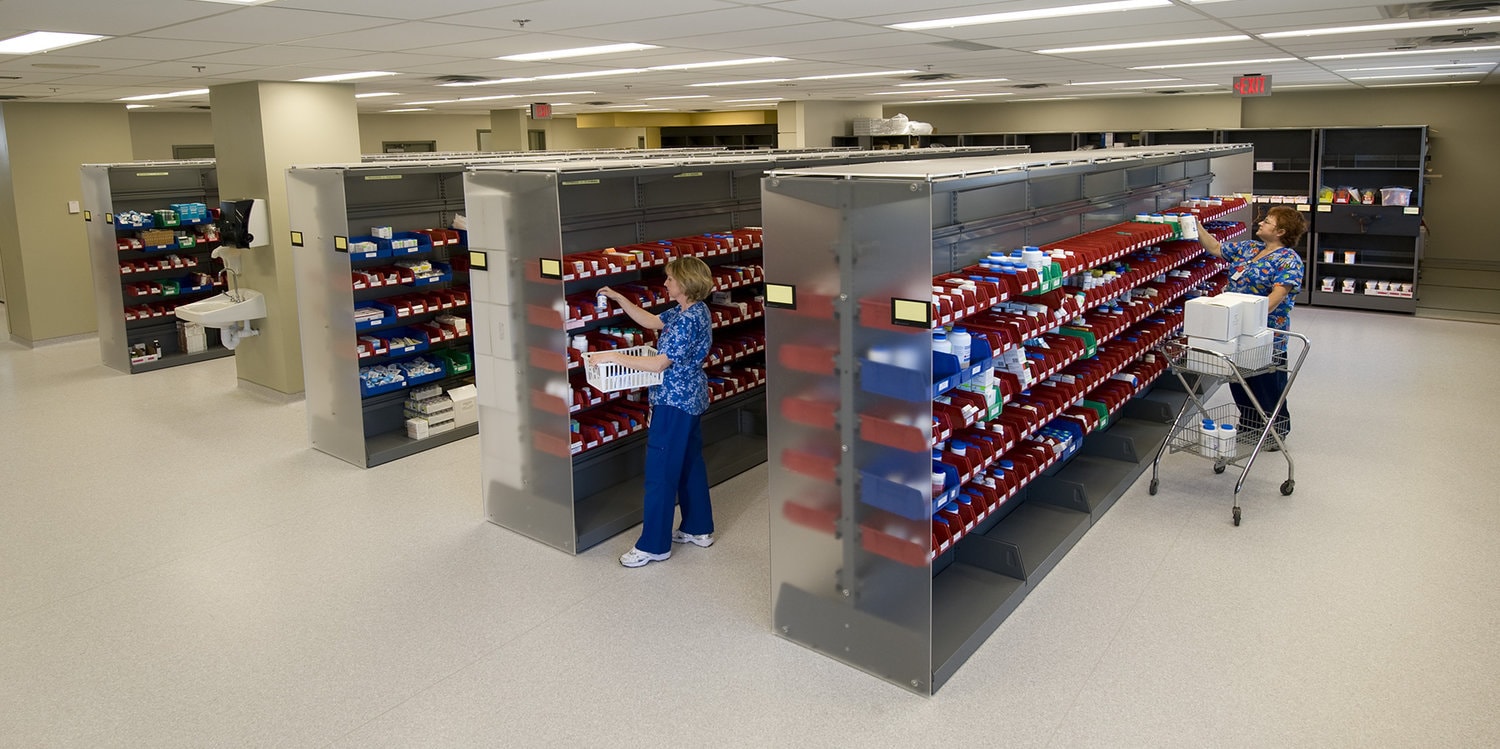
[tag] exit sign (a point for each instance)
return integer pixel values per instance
(1252, 85)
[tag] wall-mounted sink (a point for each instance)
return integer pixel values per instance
(223, 311)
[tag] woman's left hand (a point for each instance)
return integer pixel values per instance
(604, 357)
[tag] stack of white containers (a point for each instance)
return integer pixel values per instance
(1233, 325)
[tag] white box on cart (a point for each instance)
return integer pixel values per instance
(1253, 311)
(1212, 318)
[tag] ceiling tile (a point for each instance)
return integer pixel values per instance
(266, 24)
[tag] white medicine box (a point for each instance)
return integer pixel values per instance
(465, 404)
(1253, 311)
(1256, 350)
(1212, 317)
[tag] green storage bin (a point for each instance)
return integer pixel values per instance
(457, 362)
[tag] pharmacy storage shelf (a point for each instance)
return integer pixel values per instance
(146, 263)
(380, 316)
(906, 527)
(1285, 174)
(1367, 239)
(563, 462)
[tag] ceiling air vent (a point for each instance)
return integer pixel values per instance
(1029, 86)
(199, 106)
(1447, 40)
(930, 77)
(461, 78)
(598, 103)
(10, 97)
(1442, 9)
(959, 44)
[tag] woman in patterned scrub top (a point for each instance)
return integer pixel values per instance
(1267, 266)
(675, 473)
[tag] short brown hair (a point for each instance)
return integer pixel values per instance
(693, 276)
(1289, 222)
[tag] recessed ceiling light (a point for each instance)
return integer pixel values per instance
(665, 98)
(1419, 67)
(854, 75)
(768, 98)
(932, 101)
(1029, 15)
(1257, 61)
(1121, 83)
(376, 94)
(999, 93)
(1145, 45)
(909, 93)
(63, 66)
(138, 106)
(434, 101)
(1403, 52)
(721, 64)
(43, 41)
(413, 109)
(739, 83)
(1408, 75)
(558, 54)
(1429, 83)
(1048, 98)
(962, 82)
(173, 95)
(336, 77)
(1455, 22)
(491, 98)
(588, 74)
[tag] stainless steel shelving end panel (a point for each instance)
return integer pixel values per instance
(514, 223)
(325, 298)
(104, 258)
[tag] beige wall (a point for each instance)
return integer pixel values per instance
(1182, 112)
(453, 132)
(43, 247)
(813, 124)
(152, 134)
(564, 134)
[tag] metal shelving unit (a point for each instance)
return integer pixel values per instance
(329, 206)
(144, 186)
(525, 220)
(1386, 239)
(857, 569)
(1285, 161)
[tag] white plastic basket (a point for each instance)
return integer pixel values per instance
(611, 377)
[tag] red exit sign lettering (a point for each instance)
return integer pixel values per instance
(1252, 85)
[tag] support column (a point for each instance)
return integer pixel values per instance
(813, 124)
(260, 129)
(508, 129)
(44, 250)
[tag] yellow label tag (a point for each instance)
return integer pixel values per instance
(688, 174)
(88, 215)
(1325, 209)
(381, 177)
(297, 239)
(1411, 210)
(152, 174)
(551, 268)
(478, 260)
(911, 311)
(781, 294)
(341, 244)
(581, 182)
(1304, 207)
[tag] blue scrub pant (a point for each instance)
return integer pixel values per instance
(1267, 389)
(675, 474)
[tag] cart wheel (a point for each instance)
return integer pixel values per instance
(1152, 490)
(1287, 487)
(1218, 468)
(1236, 516)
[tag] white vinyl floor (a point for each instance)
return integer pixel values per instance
(179, 569)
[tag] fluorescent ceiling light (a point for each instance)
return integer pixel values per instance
(376, 94)
(721, 64)
(1257, 61)
(491, 82)
(1121, 83)
(1455, 22)
(665, 98)
(138, 106)
(336, 77)
(491, 98)
(435, 101)
(1280, 87)
(965, 81)
(1001, 93)
(558, 54)
(43, 41)
(414, 109)
(1429, 83)
(936, 101)
(1049, 98)
(173, 95)
(854, 75)
(1029, 15)
(589, 74)
(239, 2)
(1417, 67)
(909, 93)
(1408, 75)
(1145, 45)
(768, 98)
(738, 83)
(1399, 53)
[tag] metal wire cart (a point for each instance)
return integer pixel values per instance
(1201, 371)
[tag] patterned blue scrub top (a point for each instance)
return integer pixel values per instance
(1259, 277)
(685, 338)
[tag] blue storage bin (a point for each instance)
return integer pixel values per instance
(913, 386)
(382, 248)
(423, 243)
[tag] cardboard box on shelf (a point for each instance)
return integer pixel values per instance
(465, 405)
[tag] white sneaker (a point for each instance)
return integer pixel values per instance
(703, 539)
(637, 558)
